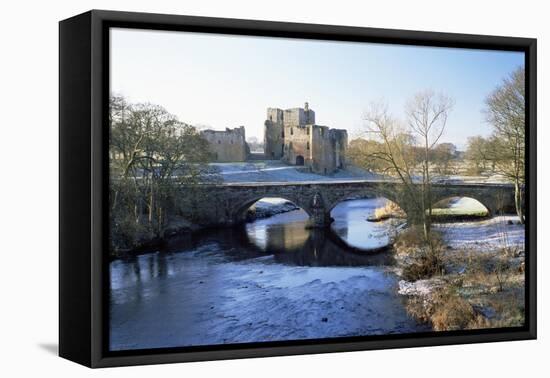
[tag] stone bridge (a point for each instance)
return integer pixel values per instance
(227, 204)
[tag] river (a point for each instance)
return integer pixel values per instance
(269, 280)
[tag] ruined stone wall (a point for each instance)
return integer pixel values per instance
(227, 146)
(329, 149)
(341, 146)
(322, 154)
(298, 145)
(274, 134)
(299, 117)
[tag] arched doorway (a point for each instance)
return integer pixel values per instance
(299, 160)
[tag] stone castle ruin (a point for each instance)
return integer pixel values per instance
(227, 146)
(291, 136)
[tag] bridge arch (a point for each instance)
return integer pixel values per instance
(494, 201)
(240, 209)
(335, 200)
(225, 204)
(460, 206)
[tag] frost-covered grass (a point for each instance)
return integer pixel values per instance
(482, 285)
(493, 179)
(485, 295)
(276, 171)
(484, 235)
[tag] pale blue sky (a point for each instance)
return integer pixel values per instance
(226, 81)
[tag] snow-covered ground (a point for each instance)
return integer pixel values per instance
(457, 179)
(276, 171)
(465, 205)
(484, 235)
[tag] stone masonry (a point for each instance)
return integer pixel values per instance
(292, 136)
(227, 146)
(226, 204)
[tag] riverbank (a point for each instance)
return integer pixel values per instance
(180, 228)
(482, 283)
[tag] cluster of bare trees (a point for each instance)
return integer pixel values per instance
(406, 149)
(503, 153)
(409, 149)
(152, 155)
(444, 157)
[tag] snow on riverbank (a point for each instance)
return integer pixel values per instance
(484, 235)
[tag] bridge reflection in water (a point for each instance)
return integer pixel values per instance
(351, 241)
(287, 238)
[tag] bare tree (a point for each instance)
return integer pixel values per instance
(505, 111)
(405, 150)
(427, 115)
(395, 146)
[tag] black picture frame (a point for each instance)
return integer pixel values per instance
(83, 181)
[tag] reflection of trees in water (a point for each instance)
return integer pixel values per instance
(144, 268)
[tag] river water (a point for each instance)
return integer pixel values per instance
(269, 280)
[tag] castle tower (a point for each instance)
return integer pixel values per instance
(292, 136)
(274, 134)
